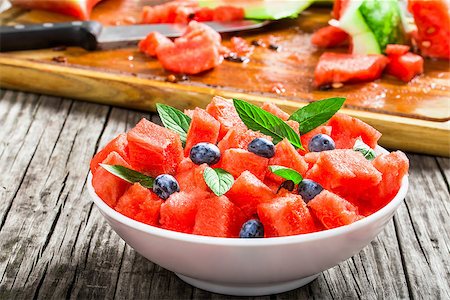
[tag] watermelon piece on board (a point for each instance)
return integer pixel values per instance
(118, 144)
(240, 137)
(248, 191)
(346, 130)
(305, 138)
(203, 128)
(107, 186)
(405, 67)
(286, 155)
(190, 175)
(236, 161)
(223, 111)
(149, 45)
(333, 211)
(228, 13)
(286, 215)
(153, 149)
(344, 172)
(140, 204)
(329, 37)
(219, 217)
(275, 110)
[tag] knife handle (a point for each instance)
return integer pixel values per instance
(47, 35)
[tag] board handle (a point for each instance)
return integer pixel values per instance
(48, 35)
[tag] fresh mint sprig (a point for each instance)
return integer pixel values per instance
(218, 180)
(174, 120)
(286, 173)
(129, 175)
(362, 147)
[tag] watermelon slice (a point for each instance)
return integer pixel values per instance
(119, 145)
(240, 137)
(108, 186)
(149, 45)
(287, 156)
(329, 37)
(190, 175)
(404, 66)
(203, 128)
(224, 112)
(275, 110)
(140, 204)
(236, 161)
(153, 149)
(286, 216)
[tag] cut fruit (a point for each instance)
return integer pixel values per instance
(305, 138)
(240, 137)
(286, 156)
(329, 37)
(224, 112)
(203, 128)
(190, 175)
(405, 67)
(119, 145)
(275, 110)
(236, 161)
(152, 42)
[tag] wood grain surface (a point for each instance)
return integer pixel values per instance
(55, 244)
(413, 116)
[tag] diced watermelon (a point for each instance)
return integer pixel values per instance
(305, 138)
(405, 67)
(346, 130)
(149, 45)
(396, 49)
(286, 216)
(119, 145)
(341, 67)
(236, 161)
(311, 158)
(203, 128)
(332, 210)
(164, 13)
(287, 156)
(224, 112)
(140, 204)
(432, 18)
(339, 7)
(190, 175)
(344, 172)
(240, 137)
(153, 149)
(228, 13)
(204, 14)
(248, 191)
(275, 110)
(218, 216)
(108, 186)
(329, 37)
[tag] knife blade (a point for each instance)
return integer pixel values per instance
(92, 35)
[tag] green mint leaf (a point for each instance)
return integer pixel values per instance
(316, 113)
(218, 180)
(257, 119)
(129, 175)
(362, 147)
(174, 119)
(286, 173)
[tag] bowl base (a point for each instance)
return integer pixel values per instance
(247, 289)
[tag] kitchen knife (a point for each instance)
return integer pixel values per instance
(93, 35)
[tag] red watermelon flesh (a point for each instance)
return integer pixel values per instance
(344, 172)
(333, 211)
(140, 204)
(248, 191)
(287, 156)
(119, 145)
(153, 149)
(152, 42)
(311, 158)
(224, 112)
(218, 216)
(236, 161)
(108, 186)
(275, 110)
(305, 138)
(228, 13)
(203, 128)
(286, 216)
(240, 137)
(190, 175)
(346, 130)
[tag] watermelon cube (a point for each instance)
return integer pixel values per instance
(236, 161)
(239, 137)
(311, 158)
(107, 186)
(305, 138)
(119, 145)
(153, 149)
(203, 128)
(333, 211)
(190, 175)
(140, 204)
(344, 172)
(248, 191)
(287, 156)
(224, 112)
(149, 45)
(218, 216)
(286, 215)
(346, 130)
(275, 110)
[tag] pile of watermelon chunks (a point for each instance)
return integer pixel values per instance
(354, 187)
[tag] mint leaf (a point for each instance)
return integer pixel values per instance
(174, 119)
(286, 173)
(316, 113)
(362, 147)
(129, 175)
(257, 119)
(218, 180)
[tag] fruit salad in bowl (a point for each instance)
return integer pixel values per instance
(247, 200)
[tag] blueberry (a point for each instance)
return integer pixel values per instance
(165, 185)
(308, 189)
(205, 153)
(252, 229)
(262, 147)
(321, 142)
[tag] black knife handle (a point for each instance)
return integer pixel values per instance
(48, 35)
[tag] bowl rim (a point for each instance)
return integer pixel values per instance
(198, 239)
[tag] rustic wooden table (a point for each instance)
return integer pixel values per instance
(55, 244)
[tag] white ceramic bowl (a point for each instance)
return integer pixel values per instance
(248, 267)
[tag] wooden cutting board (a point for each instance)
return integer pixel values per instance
(413, 116)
